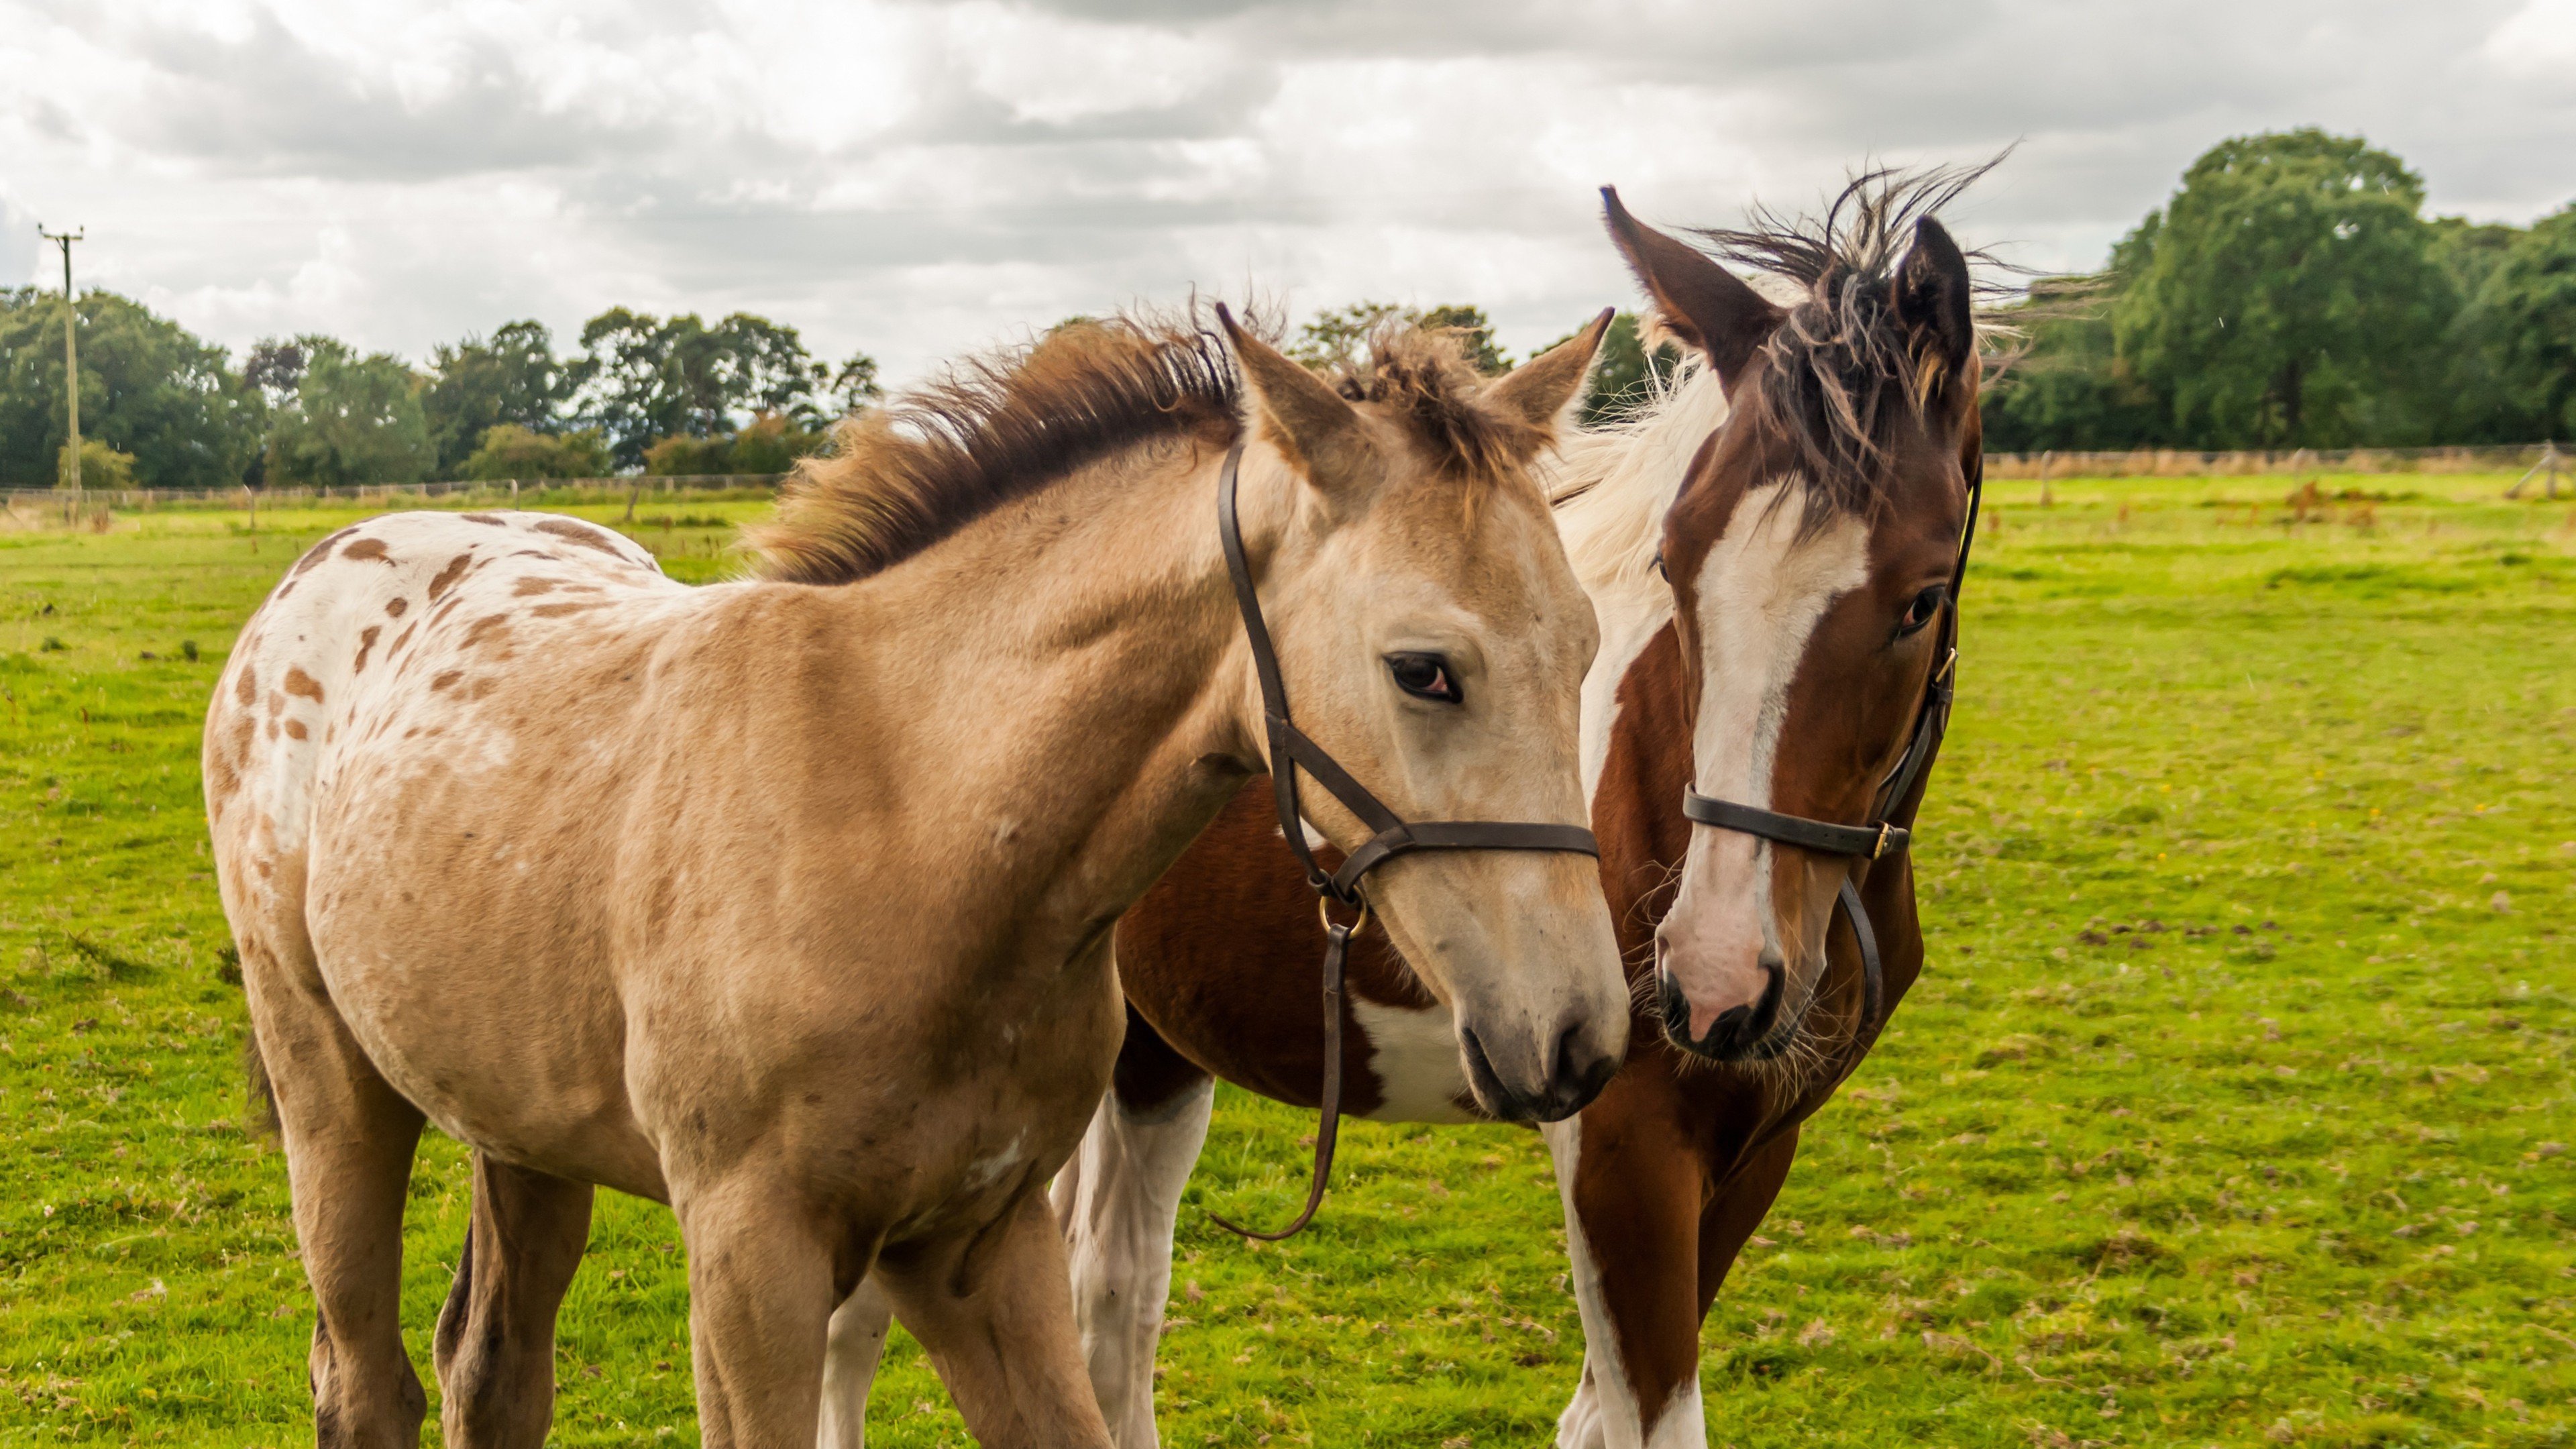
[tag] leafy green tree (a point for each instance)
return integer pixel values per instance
(512, 450)
(512, 377)
(2522, 326)
(1338, 337)
(2289, 296)
(353, 420)
(148, 388)
(1624, 374)
(1475, 332)
(643, 378)
(853, 385)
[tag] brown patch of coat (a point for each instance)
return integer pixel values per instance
(532, 585)
(366, 641)
(491, 628)
(494, 519)
(365, 548)
(447, 678)
(246, 687)
(396, 606)
(574, 531)
(448, 576)
(295, 729)
(556, 611)
(299, 682)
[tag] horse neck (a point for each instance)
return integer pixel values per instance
(1068, 668)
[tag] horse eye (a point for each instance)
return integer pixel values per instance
(1920, 612)
(1659, 567)
(1424, 676)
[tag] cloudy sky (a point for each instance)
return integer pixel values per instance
(916, 179)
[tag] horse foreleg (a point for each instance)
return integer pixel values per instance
(992, 1310)
(850, 1358)
(1632, 1192)
(761, 1269)
(495, 1347)
(1117, 1201)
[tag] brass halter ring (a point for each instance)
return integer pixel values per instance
(1324, 913)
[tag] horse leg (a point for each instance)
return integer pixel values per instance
(349, 1138)
(1632, 1188)
(992, 1310)
(856, 1345)
(495, 1347)
(1737, 1209)
(1117, 1201)
(762, 1265)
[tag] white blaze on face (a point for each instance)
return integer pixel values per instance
(1762, 591)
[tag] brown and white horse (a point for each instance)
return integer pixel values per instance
(1804, 490)
(788, 902)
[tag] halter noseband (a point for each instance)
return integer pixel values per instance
(1863, 843)
(1291, 750)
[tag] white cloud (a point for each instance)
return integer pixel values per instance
(920, 178)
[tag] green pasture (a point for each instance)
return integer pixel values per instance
(2232, 1110)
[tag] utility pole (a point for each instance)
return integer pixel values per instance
(71, 348)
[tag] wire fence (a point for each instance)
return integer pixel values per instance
(2190, 463)
(389, 494)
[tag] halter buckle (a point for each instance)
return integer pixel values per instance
(1879, 847)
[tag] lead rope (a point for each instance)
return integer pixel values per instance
(1290, 751)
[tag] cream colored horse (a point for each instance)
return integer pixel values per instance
(787, 901)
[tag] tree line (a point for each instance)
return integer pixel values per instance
(2292, 293)
(162, 408)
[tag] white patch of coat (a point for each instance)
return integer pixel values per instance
(851, 1353)
(1414, 1053)
(1604, 1412)
(1117, 1201)
(1762, 591)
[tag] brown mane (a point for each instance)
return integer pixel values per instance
(1843, 374)
(902, 477)
(899, 478)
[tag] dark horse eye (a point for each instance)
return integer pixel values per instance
(1424, 676)
(1659, 567)
(1920, 612)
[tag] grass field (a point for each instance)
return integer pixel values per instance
(2232, 1109)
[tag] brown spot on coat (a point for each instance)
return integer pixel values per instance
(373, 548)
(276, 703)
(299, 682)
(532, 585)
(295, 729)
(448, 576)
(494, 628)
(366, 641)
(320, 551)
(395, 607)
(494, 519)
(575, 531)
(446, 679)
(399, 641)
(555, 611)
(246, 688)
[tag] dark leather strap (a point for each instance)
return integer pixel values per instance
(1290, 753)
(1866, 841)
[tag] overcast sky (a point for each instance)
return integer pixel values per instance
(917, 179)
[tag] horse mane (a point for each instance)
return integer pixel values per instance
(1612, 484)
(1005, 425)
(992, 429)
(1843, 375)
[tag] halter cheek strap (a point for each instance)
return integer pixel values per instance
(1290, 752)
(1882, 837)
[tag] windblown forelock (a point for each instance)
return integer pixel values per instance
(1422, 376)
(1842, 376)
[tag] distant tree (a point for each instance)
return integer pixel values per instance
(353, 420)
(771, 443)
(511, 450)
(275, 367)
(1338, 337)
(853, 386)
(682, 456)
(2289, 296)
(148, 388)
(513, 377)
(642, 379)
(101, 466)
(1625, 370)
(2522, 326)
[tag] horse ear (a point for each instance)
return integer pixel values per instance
(1935, 300)
(1540, 390)
(1307, 420)
(1703, 304)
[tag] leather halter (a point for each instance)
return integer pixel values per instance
(1290, 750)
(1863, 843)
